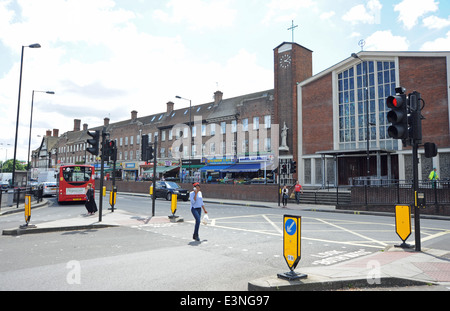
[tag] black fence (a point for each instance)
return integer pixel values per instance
(388, 193)
(15, 196)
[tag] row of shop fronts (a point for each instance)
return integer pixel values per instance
(229, 169)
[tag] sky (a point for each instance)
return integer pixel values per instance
(105, 58)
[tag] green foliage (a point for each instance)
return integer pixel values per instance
(8, 166)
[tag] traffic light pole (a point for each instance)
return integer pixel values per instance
(416, 188)
(155, 152)
(102, 175)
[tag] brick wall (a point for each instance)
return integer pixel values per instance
(263, 193)
(317, 110)
(429, 77)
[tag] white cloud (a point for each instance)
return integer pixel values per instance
(440, 44)
(199, 14)
(386, 41)
(285, 10)
(411, 10)
(365, 14)
(327, 15)
(434, 22)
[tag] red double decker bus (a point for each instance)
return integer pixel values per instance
(73, 180)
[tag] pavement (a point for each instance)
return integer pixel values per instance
(391, 269)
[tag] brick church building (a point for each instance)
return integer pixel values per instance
(319, 121)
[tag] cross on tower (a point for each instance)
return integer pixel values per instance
(293, 29)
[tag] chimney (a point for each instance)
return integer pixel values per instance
(218, 97)
(85, 127)
(170, 106)
(76, 125)
(134, 115)
(55, 133)
(106, 121)
(48, 133)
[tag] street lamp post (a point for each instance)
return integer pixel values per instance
(190, 133)
(354, 55)
(32, 46)
(31, 125)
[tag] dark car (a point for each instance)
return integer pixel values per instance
(165, 189)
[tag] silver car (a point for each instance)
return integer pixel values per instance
(49, 188)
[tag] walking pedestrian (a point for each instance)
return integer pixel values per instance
(90, 200)
(433, 177)
(197, 205)
(285, 195)
(298, 189)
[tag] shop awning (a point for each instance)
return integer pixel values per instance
(161, 169)
(247, 167)
(214, 168)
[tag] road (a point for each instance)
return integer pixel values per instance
(240, 244)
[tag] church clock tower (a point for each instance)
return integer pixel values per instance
(293, 64)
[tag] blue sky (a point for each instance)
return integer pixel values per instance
(105, 58)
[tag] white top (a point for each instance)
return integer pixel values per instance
(198, 203)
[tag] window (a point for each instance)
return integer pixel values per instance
(194, 131)
(362, 92)
(170, 135)
(267, 122)
(256, 123)
(245, 145)
(268, 144)
(203, 129)
(245, 125)
(256, 145)
(233, 126)
(131, 140)
(212, 148)
(223, 127)
(163, 135)
(213, 129)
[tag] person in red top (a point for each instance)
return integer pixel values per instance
(297, 190)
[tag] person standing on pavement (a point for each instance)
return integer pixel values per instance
(298, 189)
(197, 205)
(285, 195)
(90, 200)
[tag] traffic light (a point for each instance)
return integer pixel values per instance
(94, 142)
(431, 150)
(284, 169)
(146, 149)
(293, 167)
(415, 120)
(398, 116)
(110, 150)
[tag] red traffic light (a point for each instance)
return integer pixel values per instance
(395, 101)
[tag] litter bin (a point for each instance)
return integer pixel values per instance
(9, 198)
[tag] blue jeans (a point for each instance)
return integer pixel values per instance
(197, 212)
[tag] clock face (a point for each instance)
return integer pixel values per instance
(285, 61)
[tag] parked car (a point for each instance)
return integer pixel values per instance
(165, 189)
(49, 188)
(4, 185)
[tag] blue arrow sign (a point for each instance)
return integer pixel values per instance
(290, 227)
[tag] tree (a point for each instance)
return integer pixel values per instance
(8, 166)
